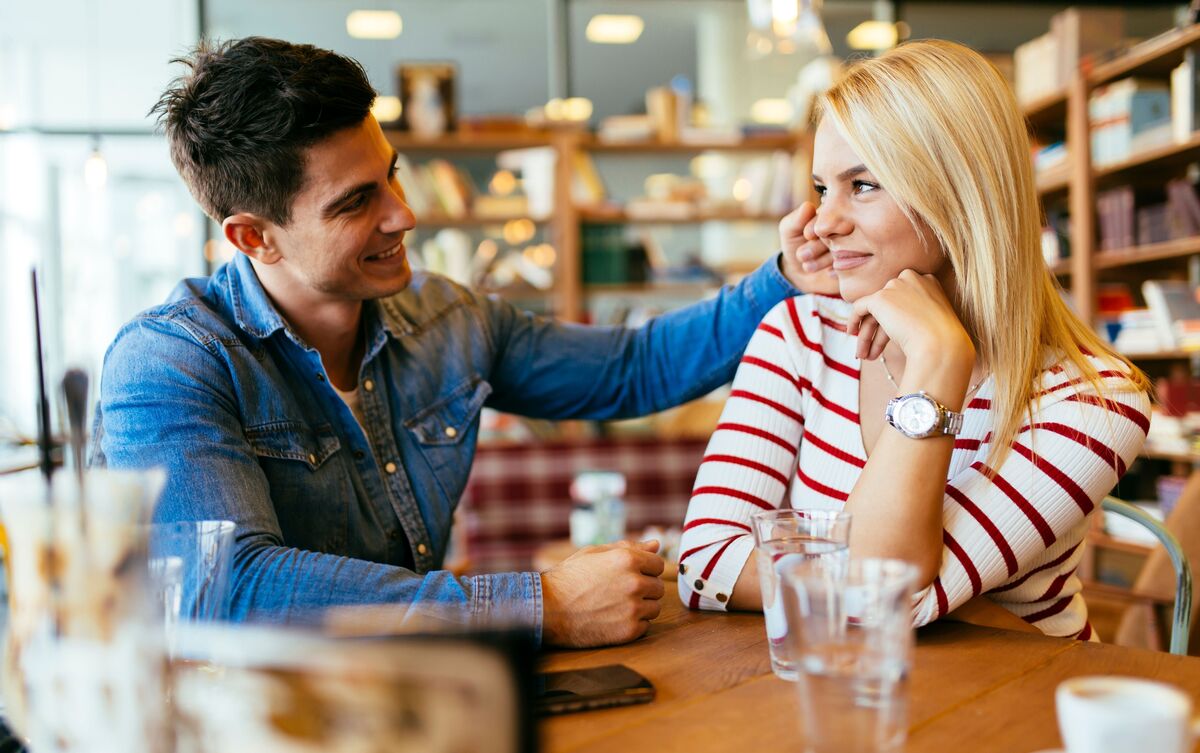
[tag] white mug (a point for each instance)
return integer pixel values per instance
(1111, 714)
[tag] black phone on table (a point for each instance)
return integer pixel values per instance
(592, 688)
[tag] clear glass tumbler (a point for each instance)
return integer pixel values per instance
(852, 638)
(189, 571)
(783, 537)
(84, 665)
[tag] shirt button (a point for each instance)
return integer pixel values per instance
(312, 459)
(682, 569)
(359, 454)
(721, 598)
(451, 432)
(390, 468)
(368, 385)
(320, 377)
(698, 585)
(422, 549)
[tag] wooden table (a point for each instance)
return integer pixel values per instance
(976, 689)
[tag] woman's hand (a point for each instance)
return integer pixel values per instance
(806, 261)
(912, 310)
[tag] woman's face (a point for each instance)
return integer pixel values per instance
(870, 238)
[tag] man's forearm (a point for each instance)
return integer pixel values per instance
(279, 584)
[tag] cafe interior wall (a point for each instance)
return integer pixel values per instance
(75, 68)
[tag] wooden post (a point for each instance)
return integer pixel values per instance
(568, 283)
(1082, 199)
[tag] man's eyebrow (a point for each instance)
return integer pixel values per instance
(332, 207)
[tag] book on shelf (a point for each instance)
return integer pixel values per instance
(1056, 237)
(1043, 65)
(1176, 312)
(1127, 117)
(1115, 212)
(587, 188)
(1184, 99)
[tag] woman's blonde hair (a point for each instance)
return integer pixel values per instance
(940, 129)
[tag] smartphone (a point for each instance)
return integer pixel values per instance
(592, 688)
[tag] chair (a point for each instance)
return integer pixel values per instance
(1182, 614)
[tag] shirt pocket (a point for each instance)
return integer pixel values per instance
(449, 421)
(308, 491)
(444, 435)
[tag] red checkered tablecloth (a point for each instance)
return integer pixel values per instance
(518, 496)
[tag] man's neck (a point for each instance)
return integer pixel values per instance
(332, 327)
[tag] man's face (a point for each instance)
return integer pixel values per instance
(345, 241)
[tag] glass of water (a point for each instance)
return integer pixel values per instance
(852, 639)
(783, 537)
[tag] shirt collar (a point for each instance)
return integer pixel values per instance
(255, 314)
(252, 308)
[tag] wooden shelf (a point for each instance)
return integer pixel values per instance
(786, 143)
(1151, 252)
(466, 142)
(1186, 151)
(442, 220)
(608, 217)
(1050, 110)
(1154, 57)
(1102, 540)
(1162, 355)
(688, 289)
(1053, 181)
(1174, 457)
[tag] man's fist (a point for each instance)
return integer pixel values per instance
(602, 595)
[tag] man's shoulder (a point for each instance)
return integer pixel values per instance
(197, 306)
(428, 298)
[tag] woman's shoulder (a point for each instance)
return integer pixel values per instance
(811, 316)
(1112, 386)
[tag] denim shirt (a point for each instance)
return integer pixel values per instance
(216, 388)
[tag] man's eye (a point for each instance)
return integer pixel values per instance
(356, 203)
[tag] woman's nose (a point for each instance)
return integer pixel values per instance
(831, 220)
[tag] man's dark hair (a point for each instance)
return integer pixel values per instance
(239, 121)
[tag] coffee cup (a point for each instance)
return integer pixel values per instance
(1111, 714)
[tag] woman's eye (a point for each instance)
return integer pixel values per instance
(819, 190)
(862, 186)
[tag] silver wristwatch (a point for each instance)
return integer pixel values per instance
(919, 416)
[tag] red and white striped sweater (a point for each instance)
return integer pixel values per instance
(1015, 533)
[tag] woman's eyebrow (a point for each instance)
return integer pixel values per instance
(845, 174)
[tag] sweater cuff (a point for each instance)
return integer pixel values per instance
(715, 589)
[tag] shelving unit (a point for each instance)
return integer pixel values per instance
(563, 225)
(1066, 112)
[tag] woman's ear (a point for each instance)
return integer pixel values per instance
(246, 232)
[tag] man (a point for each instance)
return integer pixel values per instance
(325, 399)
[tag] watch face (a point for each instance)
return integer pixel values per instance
(916, 416)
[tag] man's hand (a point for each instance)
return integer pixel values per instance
(807, 263)
(602, 595)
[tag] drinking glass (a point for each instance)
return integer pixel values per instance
(83, 657)
(189, 571)
(852, 639)
(782, 537)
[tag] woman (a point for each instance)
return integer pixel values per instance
(947, 314)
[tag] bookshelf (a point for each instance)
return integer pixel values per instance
(1076, 184)
(563, 226)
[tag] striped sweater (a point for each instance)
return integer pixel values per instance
(790, 430)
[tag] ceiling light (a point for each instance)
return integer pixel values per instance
(873, 35)
(386, 109)
(606, 29)
(95, 169)
(374, 24)
(772, 111)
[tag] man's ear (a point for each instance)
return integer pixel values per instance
(247, 232)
